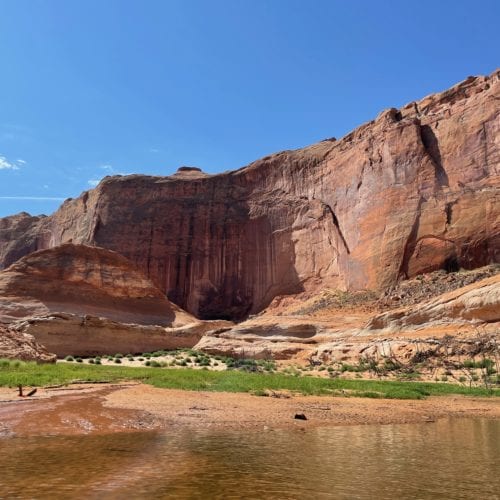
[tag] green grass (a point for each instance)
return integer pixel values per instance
(32, 374)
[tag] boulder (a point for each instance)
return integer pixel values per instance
(19, 345)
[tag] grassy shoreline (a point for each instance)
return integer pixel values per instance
(32, 374)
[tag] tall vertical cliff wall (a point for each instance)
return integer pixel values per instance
(414, 190)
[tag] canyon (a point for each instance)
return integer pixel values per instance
(411, 193)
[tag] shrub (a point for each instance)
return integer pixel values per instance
(118, 356)
(118, 361)
(69, 358)
(91, 361)
(79, 360)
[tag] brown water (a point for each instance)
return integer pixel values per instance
(447, 459)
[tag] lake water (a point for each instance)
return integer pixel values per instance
(447, 459)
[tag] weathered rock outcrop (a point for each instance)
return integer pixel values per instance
(18, 345)
(457, 319)
(413, 191)
(479, 302)
(71, 334)
(84, 280)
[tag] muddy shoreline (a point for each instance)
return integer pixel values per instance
(99, 408)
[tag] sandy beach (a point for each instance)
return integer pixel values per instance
(99, 408)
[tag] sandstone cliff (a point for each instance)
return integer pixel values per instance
(412, 191)
(84, 280)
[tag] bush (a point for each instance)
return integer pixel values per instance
(483, 363)
(118, 356)
(91, 361)
(79, 360)
(118, 361)
(69, 358)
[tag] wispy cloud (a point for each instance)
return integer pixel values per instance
(93, 182)
(33, 198)
(153, 150)
(7, 165)
(21, 161)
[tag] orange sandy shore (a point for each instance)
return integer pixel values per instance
(83, 409)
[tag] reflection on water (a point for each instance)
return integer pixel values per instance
(447, 459)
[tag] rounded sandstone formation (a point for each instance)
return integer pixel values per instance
(82, 279)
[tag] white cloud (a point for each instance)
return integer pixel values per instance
(107, 167)
(7, 165)
(21, 161)
(93, 182)
(154, 150)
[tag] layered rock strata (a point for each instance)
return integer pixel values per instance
(84, 280)
(450, 324)
(19, 345)
(413, 191)
(76, 335)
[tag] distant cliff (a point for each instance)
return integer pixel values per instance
(415, 190)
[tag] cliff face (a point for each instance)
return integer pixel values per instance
(412, 191)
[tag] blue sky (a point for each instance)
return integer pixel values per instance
(96, 87)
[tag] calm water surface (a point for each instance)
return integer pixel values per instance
(447, 459)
